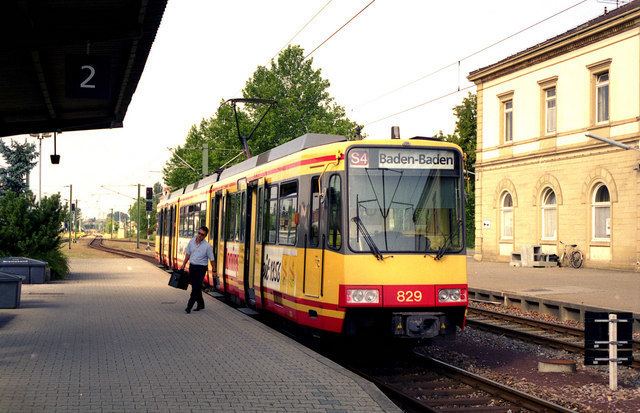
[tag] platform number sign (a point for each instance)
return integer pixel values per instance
(87, 77)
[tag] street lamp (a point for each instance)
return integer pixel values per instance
(611, 142)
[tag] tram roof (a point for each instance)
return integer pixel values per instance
(41, 38)
(306, 141)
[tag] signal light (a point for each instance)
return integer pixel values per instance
(149, 193)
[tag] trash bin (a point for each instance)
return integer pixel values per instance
(32, 271)
(10, 286)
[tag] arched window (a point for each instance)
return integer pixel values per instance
(601, 213)
(506, 216)
(549, 215)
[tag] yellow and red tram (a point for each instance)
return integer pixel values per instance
(349, 237)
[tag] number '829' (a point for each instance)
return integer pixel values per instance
(408, 296)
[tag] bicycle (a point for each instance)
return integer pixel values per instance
(571, 254)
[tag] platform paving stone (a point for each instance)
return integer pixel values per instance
(114, 337)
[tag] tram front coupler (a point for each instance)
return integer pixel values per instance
(418, 324)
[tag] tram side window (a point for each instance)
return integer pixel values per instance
(259, 213)
(212, 219)
(335, 212)
(314, 216)
(159, 216)
(288, 213)
(230, 221)
(183, 222)
(242, 209)
(271, 219)
(202, 218)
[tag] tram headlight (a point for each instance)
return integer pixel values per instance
(371, 296)
(362, 296)
(452, 295)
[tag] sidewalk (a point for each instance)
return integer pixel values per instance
(115, 337)
(612, 289)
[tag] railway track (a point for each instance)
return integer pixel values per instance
(540, 332)
(425, 384)
(96, 243)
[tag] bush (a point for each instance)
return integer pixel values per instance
(33, 230)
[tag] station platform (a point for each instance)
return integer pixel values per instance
(563, 292)
(114, 337)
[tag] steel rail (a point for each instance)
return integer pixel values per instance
(573, 340)
(524, 400)
(449, 388)
(96, 243)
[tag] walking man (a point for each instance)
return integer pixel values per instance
(198, 254)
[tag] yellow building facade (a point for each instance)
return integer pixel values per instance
(539, 179)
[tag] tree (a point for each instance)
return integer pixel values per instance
(33, 230)
(20, 158)
(465, 136)
(303, 105)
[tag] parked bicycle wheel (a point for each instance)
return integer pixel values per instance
(576, 259)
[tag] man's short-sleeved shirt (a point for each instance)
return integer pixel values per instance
(200, 254)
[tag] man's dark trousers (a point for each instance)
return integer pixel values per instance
(196, 274)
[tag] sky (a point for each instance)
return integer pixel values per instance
(205, 50)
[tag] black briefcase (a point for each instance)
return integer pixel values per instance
(179, 279)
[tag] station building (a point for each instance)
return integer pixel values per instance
(539, 178)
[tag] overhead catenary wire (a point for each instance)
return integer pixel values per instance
(302, 28)
(457, 61)
(338, 30)
(420, 104)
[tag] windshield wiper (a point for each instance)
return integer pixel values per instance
(447, 243)
(373, 248)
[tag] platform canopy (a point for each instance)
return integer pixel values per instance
(70, 65)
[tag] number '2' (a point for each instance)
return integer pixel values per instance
(92, 73)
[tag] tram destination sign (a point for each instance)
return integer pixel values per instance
(401, 158)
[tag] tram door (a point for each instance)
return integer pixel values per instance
(250, 243)
(314, 245)
(215, 230)
(172, 231)
(162, 216)
(222, 243)
(257, 251)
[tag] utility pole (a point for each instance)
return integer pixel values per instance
(70, 211)
(75, 223)
(205, 160)
(148, 248)
(40, 137)
(111, 223)
(138, 226)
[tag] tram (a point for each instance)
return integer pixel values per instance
(349, 237)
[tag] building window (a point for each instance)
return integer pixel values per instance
(549, 215)
(508, 120)
(602, 97)
(550, 110)
(601, 213)
(506, 216)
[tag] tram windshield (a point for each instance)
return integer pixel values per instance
(404, 200)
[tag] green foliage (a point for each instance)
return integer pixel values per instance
(465, 136)
(33, 230)
(20, 158)
(303, 105)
